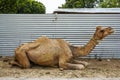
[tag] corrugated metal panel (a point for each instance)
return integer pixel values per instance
(16, 29)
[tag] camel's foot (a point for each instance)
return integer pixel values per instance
(14, 63)
(81, 62)
(69, 66)
(79, 67)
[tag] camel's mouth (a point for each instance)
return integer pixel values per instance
(112, 31)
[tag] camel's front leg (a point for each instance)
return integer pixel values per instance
(63, 64)
(81, 62)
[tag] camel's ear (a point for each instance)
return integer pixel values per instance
(98, 28)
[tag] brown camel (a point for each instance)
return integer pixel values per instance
(57, 52)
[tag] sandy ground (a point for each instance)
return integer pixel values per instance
(105, 68)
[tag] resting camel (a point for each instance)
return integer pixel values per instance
(57, 52)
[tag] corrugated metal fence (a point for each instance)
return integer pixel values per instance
(16, 29)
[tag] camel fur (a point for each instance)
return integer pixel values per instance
(57, 52)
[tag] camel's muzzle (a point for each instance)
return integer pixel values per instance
(112, 31)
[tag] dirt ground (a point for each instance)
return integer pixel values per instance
(107, 68)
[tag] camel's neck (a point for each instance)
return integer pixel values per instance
(84, 50)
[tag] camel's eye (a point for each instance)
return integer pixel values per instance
(102, 31)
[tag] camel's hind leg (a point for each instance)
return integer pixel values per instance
(14, 63)
(22, 58)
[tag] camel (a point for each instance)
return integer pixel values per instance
(57, 52)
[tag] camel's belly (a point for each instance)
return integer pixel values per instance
(44, 57)
(46, 61)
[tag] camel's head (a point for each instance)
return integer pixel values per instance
(102, 32)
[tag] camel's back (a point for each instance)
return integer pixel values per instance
(48, 51)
